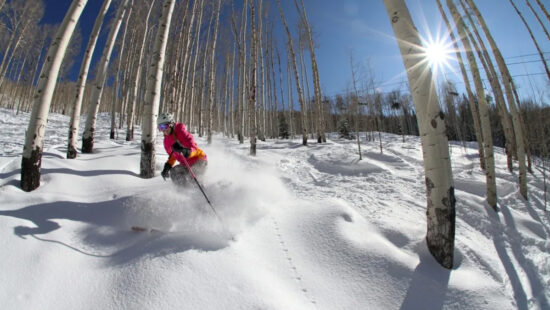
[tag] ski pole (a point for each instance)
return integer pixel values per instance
(200, 187)
(206, 197)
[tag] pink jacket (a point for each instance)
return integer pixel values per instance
(179, 133)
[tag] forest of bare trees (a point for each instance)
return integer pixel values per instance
(223, 67)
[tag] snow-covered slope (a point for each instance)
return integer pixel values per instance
(313, 227)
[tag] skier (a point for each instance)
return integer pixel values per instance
(180, 146)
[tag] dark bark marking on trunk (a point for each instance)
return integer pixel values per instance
(30, 170)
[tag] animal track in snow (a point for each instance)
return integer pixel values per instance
(286, 254)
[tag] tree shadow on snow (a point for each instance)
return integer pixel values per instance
(538, 288)
(87, 173)
(428, 287)
(6, 175)
(52, 155)
(107, 233)
(500, 246)
(82, 173)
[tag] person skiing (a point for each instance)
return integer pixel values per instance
(180, 146)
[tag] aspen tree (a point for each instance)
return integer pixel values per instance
(18, 91)
(23, 15)
(543, 9)
(252, 93)
(129, 72)
(118, 91)
(232, 102)
(543, 154)
(267, 94)
(449, 92)
(225, 101)
(261, 75)
(152, 92)
(202, 82)
(512, 104)
(435, 148)
(526, 140)
(541, 54)
(184, 43)
(193, 81)
(321, 137)
(281, 115)
(23, 74)
(187, 61)
(34, 139)
(471, 98)
(174, 65)
(355, 99)
(93, 108)
(305, 82)
(538, 19)
(213, 74)
(276, 110)
(483, 108)
(492, 75)
(136, 85)
(303, 109)
(242, 74)
(302, 73)
(290, 98)
(126, 74)
(47, 32)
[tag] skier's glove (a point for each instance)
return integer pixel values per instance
(177, 147)
(165, 172)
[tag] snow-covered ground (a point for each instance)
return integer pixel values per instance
(313, 227)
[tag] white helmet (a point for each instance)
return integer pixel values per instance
(165, 118)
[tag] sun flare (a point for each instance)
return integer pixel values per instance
(437, 53)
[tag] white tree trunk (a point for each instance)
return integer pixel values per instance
(252, 95)
(232, 103)
(187, 61)
(93, 108)
(81, 83)
(435, 147)
(538, 19)
(8, 56)
(213, 74)
(492, 75)
(303, 109)
(152, 94)
(355, 104)
(242, 74)
(203, 88)
(541, 54)
(21, 20)
(514, 109)
(193, 83)
(119, 81)
(261, 89)
(544, 10)
(34, 139)
(315, 71)
(483, 108)
(137, 81)
(471, 99)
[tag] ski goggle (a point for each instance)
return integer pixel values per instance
(164, 126)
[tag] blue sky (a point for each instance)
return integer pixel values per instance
(363, 28)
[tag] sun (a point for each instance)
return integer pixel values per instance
(438, 54)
